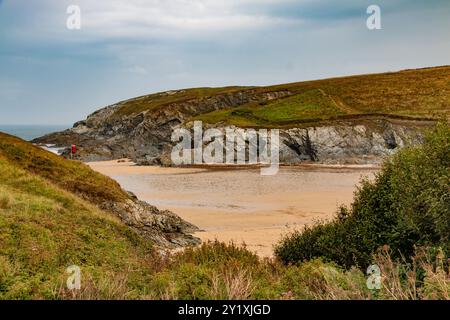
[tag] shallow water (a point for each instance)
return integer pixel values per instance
(30, 132)
(241, 205)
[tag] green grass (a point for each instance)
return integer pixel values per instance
(421, 93)
(154, 101)
(47, 223)
(44, 229)
(313, 105)
(72, 176)
(49, 219)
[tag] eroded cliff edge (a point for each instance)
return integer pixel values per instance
(145, 138)
(357, 119)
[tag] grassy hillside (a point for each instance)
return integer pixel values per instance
(72, 176)
(49, 221)
(310, 106)
(421, 93)
(44, 227)
(160, 100)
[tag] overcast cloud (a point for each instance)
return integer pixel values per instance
(126, 48)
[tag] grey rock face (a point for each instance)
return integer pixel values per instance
(163, 228)
(344, 143)
(142, 137)
(347, 143)
(145, 137)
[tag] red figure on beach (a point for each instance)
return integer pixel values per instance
(73, 151)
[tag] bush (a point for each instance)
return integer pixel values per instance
(225, 271)
(425, 277)
(407, 205)
(324, 281)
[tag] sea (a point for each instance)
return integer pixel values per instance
(30, 132)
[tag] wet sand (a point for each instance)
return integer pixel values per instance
(241, 205)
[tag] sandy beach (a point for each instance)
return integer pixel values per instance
(241, 205)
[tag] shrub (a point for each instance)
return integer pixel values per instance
(425, 277)
(318, 280)
(407, 205)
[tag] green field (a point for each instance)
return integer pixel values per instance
(313, 105)
(419, 93)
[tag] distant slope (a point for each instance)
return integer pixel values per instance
(141, 128)
(422, 93)
(417, 93)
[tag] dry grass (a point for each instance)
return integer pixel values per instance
(232, 285)
(72, 176)
(108, 287)
(238, 284)
(419, 94)
(45, 227)
(425, 277)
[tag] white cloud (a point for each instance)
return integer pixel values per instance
(167, 18)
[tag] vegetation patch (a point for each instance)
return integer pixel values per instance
(399, 221)
(419, 94)
(73, 176)
(157, 100)
(407, 205)
(312, 105)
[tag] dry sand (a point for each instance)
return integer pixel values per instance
(241, 205)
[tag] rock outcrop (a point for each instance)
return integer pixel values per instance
(108, 134)
(145, 137)
(364, 142)
(350, 143)
(162, 227)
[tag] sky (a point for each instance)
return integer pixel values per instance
(50, 74)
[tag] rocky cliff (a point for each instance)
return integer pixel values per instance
(357, 119)
(361, 142)
(108, 134)
(348, 143)
(145, 138)
(162, 227)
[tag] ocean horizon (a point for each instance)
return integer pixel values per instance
(30, 132)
